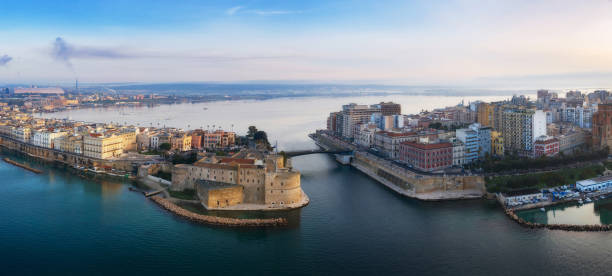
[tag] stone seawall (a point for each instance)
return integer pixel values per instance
(424, 187)
(24, 166)
(407, 182)
(566, 227)
(220, 221)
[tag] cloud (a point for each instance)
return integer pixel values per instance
(271, 12)
(66, 52)
(63, 51)
(233, 10)
(5, 59)
(241, 9)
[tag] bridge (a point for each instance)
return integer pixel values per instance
(317, 151)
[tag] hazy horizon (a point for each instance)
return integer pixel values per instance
(536, 44)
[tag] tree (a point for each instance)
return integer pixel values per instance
(252, 131)
(165, 146)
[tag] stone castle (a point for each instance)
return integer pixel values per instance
(246, 180)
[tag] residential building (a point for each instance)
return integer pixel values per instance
(180, 142)
(486, 114)
(471, 141)
(353, 114)
(520, 129)
(388, 143)
(458, 152)
(602, 126)
(545, 146)
(44, 137)
(389, 108)
(22, 133)
(497, 144)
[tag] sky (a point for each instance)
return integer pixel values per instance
(319, 41)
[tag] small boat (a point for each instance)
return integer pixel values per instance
(542, 209)
(580, 201)
(588, 200)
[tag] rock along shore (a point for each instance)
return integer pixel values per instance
(212, 220)
(23, 166)
(566, 227)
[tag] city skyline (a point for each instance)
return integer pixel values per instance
(407, 43)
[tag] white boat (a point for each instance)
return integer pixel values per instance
(580, 201)
(542, 209)
(588, 200)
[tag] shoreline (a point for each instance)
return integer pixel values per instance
(215, 220)
(23, 166)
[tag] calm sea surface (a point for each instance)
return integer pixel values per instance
(59, 223)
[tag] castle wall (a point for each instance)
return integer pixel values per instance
(283, 187)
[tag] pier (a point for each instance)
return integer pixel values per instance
(24, 166)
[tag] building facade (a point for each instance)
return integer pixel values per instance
(427, 157)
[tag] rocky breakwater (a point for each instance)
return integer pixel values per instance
(567, 227)
(221, 221)
(23, 166)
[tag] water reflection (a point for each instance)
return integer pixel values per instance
(598, 212)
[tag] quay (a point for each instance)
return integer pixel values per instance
(422, 186)
(219, 221)
(24, 166)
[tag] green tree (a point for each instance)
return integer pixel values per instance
(165, 146)
(252, 131)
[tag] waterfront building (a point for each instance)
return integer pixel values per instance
(196, 139)
(44, 138)
(388, 143)
(484, 139)
(594, 184)
(458, 152)
(128, 138)
(334, 123)
(355, 114)
(497, 143)
(602, 126)
(520, 129)
(520, 196)
(22, 134)
(180, 142)
(427, 156)
(545, 146)
(6, 130)
(470, 139)
(364, 136)
(218, 139)
(97, 145)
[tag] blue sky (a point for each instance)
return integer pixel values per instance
(388, 42)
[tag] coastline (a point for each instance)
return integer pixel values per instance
(215, 220)
(430, 188)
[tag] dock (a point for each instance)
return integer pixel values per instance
(23, 166)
